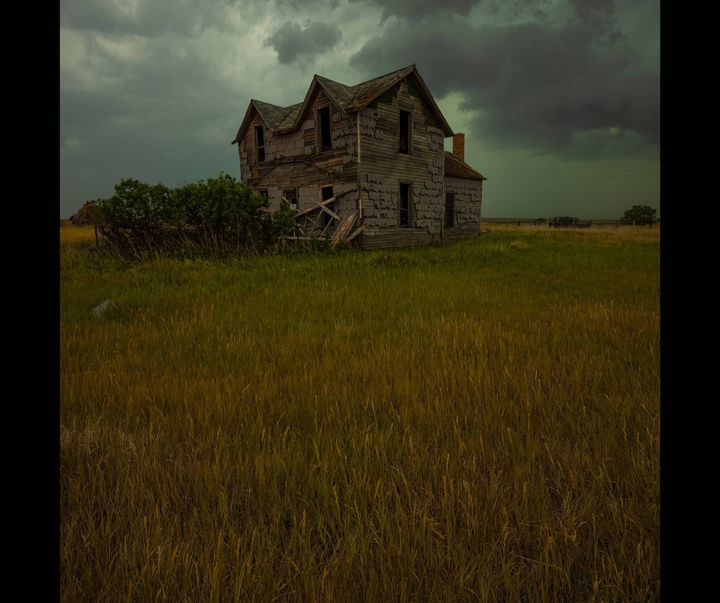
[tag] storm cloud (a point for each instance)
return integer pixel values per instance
(293, 40)
(527, 85)
(418, 9)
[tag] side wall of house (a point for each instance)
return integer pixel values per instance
(292, 160)
(468, 205)
(383, 168)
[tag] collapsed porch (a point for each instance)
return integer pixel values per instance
(320, 222)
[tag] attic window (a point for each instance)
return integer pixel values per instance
(405, 204)
(323, 129)
(405, 132)
(260, 143)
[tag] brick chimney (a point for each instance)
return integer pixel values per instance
(459, 146)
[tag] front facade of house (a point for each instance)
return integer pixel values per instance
(364, 162)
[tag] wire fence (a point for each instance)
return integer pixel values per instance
(555, 223)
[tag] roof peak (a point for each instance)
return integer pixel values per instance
(377, 77)
(347, 98)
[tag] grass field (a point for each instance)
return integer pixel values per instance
(474, 422)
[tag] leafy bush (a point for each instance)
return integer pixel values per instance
(640, 215)
(219, 215)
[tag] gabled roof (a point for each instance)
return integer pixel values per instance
(366, 92)
(347, 98)
(274, 116)
(339, 93)
(454, 166)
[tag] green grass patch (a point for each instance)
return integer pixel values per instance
(477, 421)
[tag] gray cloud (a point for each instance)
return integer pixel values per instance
(528, 86)
(418, 9)
(292, 40)
(593, 9)
(303, 5)
(186, 18)
(598, 15)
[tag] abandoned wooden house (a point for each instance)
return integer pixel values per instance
(365, 163)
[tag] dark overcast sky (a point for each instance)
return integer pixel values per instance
(559, 100)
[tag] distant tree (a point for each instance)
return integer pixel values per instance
(563, 222)
(640, 215)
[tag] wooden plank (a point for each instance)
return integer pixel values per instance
(324, 230)
(330, 212)
(355, 233)
(321, 206)
(323, 203)
(344, 227)
(312, 209)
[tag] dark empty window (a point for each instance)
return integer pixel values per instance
(260, 143)
(327, 193)
(291, 196)
(405, 203)
(405, 132)
(323, 125)
(449, 210)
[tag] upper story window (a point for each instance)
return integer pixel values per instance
(260, 143)
(323, 130)
(405, 144)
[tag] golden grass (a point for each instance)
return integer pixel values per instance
(475, 422)
(75, 235)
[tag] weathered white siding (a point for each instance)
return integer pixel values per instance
(468, 204)
(292, 160)
(383, 167)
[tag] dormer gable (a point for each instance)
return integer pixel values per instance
(273, 117)
(344, 98)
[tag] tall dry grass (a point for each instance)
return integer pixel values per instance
(475, 422)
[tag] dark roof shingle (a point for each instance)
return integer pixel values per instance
(454, 166)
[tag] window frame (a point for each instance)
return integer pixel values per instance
(320, 132)
(260, 156)
(409, 212)
(293, 199)
(451, 213)
(405, 139)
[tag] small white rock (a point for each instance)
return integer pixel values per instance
(103, 307)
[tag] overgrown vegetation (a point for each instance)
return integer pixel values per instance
(220, 216)
(474, 422)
